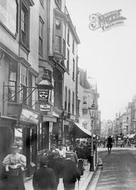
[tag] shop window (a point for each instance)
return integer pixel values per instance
(24, 25)
(41, 26)
(12, 90)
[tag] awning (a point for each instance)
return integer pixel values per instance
(131, 135)
(80, 132)
(6, 121)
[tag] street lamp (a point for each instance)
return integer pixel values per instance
(92, 112)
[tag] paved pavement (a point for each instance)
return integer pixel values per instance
(119, 171)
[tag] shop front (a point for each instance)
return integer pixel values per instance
(25, 134)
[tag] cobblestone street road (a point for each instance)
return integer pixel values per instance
(119, 171)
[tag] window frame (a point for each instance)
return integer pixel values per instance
(42, 3)
(69, 100)
(23, 84)
(26, 9)
(68, 37)
(12, 81)
(73, 46)
(58, 35)
(68, 58)
(66, 94)
(73, 103)
(41, 35)
(58, 3)
(73, 73)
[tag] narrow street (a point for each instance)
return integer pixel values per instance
(119, 171)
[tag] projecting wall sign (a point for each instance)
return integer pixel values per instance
(106, 21)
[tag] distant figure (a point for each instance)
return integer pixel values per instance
(70, 174)
(14, 164)
(44, 178)
(72, 155)
(109, 144)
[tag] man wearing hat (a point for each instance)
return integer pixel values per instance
(44, 178)
(14, 164)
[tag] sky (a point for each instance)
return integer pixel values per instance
(109, 56)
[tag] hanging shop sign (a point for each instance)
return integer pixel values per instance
(43, 95)
(45, 107)
(29, 116)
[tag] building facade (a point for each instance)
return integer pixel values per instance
(19, 70)
(87, 95)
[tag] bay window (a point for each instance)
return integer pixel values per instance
(12, 90)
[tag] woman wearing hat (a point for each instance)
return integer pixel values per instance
(14, 164)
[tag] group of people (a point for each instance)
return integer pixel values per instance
(53, 165)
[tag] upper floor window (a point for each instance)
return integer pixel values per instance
(24, 25)
(73, 103)
(58, 2)
(41, 25)
(65, 98)
(84, 100)
(64, 48)
(68, 34)
(58, 24)
(58, 44)
(42, 2)
(68, 56)
(12, 90)
(85, 111)
(9, 15)
(58, 36)
(73, 75)
(73, 47)
(69, 100)
(23, 81)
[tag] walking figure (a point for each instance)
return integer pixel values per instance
(109, 144)
(14, 164)
(44, 178)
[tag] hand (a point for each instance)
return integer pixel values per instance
(7, 168)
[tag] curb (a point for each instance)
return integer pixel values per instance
(89, 179)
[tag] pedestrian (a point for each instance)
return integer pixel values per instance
(57, 164)
(70, 174)
(44, 178)
(109, 144)
(72, 155)
(14, 165)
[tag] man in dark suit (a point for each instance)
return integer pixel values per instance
(44, 178)
(70, 174)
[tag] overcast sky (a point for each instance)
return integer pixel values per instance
(108, 56)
